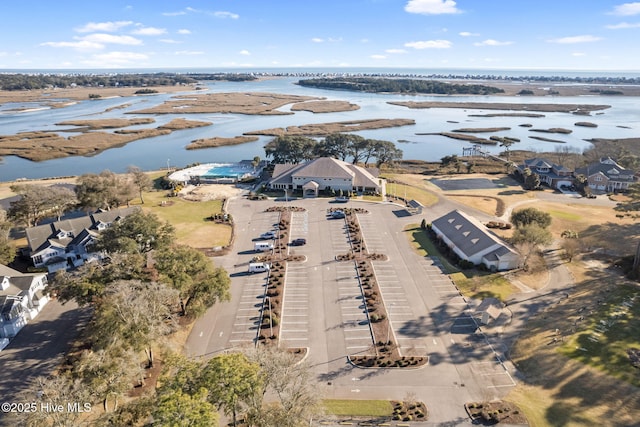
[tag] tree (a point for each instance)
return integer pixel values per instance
(292, 382)
(104, 191)
(87, 284)
(135, 315)
(531, 179)
(386, 153)
(633, 199)
(232, 381)
(527, 239)
(107, 373)
(369, 149)
(54, 391)
(7, 250)
(136, 233)
(336, 145)
(199, 283)
(357, 146)
(529, 216)
(175, 408)
(290, 149)
(570, 247)
(37, 202)
(255, 162)
(140, 179)
(507, 143)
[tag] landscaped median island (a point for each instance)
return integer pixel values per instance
(374, 412)
(272, 305)
(387, 353)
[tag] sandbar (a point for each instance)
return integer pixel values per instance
(559, 108)
(325, 106)
(219, 142)
(323, 129)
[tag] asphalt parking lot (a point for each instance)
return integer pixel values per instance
(323, 308)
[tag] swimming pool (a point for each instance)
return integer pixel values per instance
(228, 170)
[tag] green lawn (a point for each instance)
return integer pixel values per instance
(188, 218)
(480, 285)
(425, 247)
(472, 283)
(358, 408)
(616, 328)
(564, 215)
(409, 192)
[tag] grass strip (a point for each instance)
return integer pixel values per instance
(358, 408)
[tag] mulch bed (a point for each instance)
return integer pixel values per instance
(490, 413)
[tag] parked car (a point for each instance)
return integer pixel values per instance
(342, 199)
(298, 242)
(268, 235)
(338, 214)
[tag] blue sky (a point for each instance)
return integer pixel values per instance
(491, 34)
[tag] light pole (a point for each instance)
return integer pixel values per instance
(168, 165)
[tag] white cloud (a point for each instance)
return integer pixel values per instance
(149, 31)
(468, 34)
(117, 58)
(245, 52)
(575, 39)
(491, 42)
(378, 57)
(80, 45)
(218, 14)
(221, 14)
(184, 31)
(317, 40)
(364, 40)
(429, 44)
(189, 52)
(623, 25)
(627, 9)
(578, 54)
(170, 41)
(103, 26)
(396, 51)
(182, 12)
(110, 38)
(431, 7)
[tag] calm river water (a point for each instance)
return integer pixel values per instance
(620, 121)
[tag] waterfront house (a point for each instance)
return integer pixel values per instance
(22, 297)
(68, 243)
(550, 173)
(606, 175)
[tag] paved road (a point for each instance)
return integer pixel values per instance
(39, 347)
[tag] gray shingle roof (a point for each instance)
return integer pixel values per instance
(43, 236)
(467, 233)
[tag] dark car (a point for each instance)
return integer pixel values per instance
(298, 242)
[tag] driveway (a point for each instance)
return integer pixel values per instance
(39, 347)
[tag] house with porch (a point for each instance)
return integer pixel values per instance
(22, 297)
(325, 173)
(550, 173)
(66, 244)
(606, 175)
(472, 241)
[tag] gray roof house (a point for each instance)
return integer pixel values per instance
(607, 175)
(550, 173)
(65, 244)
(473, 242)
(325, 173)
(22, 297)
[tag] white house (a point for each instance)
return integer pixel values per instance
(66, 244)
(473, 242)
(325, 173)
(22, 297)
